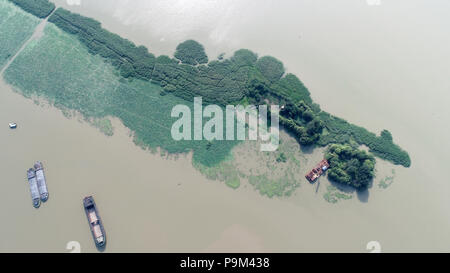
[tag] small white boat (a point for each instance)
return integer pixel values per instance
(13, 125)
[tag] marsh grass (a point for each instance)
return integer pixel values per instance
(333, 195)
(387, 181)
(16, 27)
(60, 70)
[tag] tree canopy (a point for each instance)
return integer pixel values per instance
(350, 166)
(271, 68)
(39, 8)
(191, 52)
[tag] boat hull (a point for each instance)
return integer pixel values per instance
(95, 222)
(41, 181)
(319, 170)
(34, 190)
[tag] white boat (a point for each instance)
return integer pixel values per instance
(13, 125)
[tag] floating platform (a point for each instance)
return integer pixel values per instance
(315, 173)
(41, 182)
(31, 174)
(95, 222)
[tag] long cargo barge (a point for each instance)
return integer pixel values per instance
(41, 182)
(32, 181)
(95, 222)
(317, 171)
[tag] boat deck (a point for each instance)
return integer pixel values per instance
(315, 173)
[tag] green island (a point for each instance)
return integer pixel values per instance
(243, 77)
(350, 166)
(137, 87)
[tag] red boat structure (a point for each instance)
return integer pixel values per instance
(315, 173)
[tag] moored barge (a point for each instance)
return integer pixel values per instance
(32, 181)
(315, 173)
(95, 222)
(41, 182)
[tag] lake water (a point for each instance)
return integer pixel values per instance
(380, 66)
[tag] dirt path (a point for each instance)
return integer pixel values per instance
(37, 34)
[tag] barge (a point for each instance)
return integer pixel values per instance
(34, 188)
(41, 182)
(95, 222)
(315, 173)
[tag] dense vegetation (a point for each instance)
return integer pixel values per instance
(219, 82)
(350, 166)
(271, 68)
(12, 19)
(242, 78)
(39, 8)
(340, 131)
(191, 52)
(132, 61)
(302, 122)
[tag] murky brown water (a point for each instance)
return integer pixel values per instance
(378, 66)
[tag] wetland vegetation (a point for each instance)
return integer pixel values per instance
(243, 77)
(387, 181)
(333, 195)
(16, 26)
(80, 66)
